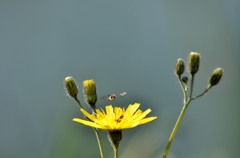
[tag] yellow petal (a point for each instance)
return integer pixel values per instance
(116, 118)
(109, 110)
(131, 109)
(141, 116)
(146, 120)
(91, 117)
(87, 123)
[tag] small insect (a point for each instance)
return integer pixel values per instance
(113, 96)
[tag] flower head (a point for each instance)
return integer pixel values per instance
(89, 88)
(116, 119)
(71, 86)
(215, 77)
(180, 67)
(193, 62)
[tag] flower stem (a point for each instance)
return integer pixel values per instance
(95, 130)
(187, 100)
(191, 87)
(79, 103)
(99, 142)
(204, 92)
(174, 131)
(116, 153)
(184, 90)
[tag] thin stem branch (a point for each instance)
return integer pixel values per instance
(191, 87)
(98, 138)
(183, 89)
(174, 131)
(79, 103)
(116, 153)
(201, 94)
(99, 142)
(187, 101)
(95, 130)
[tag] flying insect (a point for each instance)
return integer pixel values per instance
(113, 96)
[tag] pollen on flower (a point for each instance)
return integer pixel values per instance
(116, 118)
(119, 119)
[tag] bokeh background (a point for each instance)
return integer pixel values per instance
(123, 45)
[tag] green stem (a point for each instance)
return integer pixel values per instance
(183, 89)
(98, 139)
(204, 92)
(191, 87)
(95, 130)
(79, 103)
(116, 153)
(99, 142)
(187, 101)
(174, 131)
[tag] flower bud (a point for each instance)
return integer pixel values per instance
(180, 67)
(89, 88)
(193, 62)
(215, 77)
(184, 79)
(71, 87)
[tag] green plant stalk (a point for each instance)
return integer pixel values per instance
(186, 102)
(203, 93)
(191, 86)
(96, 133)
(115, 148)
(183, 90)
(174, 131)
(99, 142)
(116, 153)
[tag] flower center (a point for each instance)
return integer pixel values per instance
(119, 119)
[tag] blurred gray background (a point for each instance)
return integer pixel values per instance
(123, 45)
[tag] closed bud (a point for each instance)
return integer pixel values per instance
(193, 62)
(184, 79)
(71, 87)
(180, 67)
(215, 77)
(89, 88)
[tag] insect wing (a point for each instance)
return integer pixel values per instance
(122, 94)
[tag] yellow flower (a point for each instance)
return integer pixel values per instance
(116, 119)
(89, 88)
